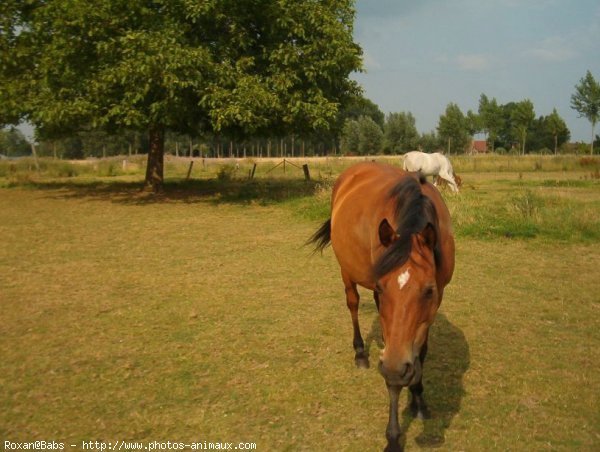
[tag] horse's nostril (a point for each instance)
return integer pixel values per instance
(406, 370)
(401, 372)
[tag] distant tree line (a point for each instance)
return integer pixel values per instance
(512, 126)
(359, 128)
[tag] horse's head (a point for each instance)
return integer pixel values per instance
(406, 289)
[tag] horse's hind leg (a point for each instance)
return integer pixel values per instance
(352, 299)
(418, 407)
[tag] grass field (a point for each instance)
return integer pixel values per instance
(199, 316)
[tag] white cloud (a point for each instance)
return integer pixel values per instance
(472, 62)
(553, 50)
(442, 59)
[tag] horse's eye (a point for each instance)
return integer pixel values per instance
(428, 293)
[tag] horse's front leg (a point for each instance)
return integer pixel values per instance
(418, 407)
(352, 299)
(392, 432)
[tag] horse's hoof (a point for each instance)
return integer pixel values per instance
(423, 414)
(362, 362)
(420, 412)
(393, 447)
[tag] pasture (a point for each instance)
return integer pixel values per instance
(198, 315)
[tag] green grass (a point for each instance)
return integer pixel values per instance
(198, 315)
(529, 210)
(564, 210)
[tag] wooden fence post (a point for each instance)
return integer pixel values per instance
(189, 170)
(306, 172)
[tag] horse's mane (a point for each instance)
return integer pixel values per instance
(413, 211)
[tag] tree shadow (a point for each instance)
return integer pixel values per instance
(214, 191)
(448, 359)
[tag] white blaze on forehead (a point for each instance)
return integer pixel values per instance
(403, 278)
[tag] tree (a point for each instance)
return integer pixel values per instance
(237, 68)
(586, 101)
(370, 139)
(358, 106)
(557, 127)
(507, 137)
(548, 133)
(522, 117)
(474, 123)
(490, 114)
(13, 143)
(429, 141)
(400, 133)
(350, 136)
(454, 129)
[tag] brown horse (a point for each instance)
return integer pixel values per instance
(391, 233)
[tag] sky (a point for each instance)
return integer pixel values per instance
(420, 55)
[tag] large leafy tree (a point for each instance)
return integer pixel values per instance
(224, 66)
(586, 101)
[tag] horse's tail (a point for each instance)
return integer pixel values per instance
(322, 237)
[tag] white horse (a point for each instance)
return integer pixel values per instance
(435, 164)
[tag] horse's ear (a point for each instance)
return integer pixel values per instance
(429, 235)
(386, 233)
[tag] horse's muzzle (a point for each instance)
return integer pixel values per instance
(403, 374)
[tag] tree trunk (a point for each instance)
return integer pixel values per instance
(35, 156)
(593, 136)
(156, 153)
(555, 144)
(293, 143)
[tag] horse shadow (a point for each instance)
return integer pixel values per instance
(448, 359)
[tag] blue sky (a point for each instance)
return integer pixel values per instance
(420, 55)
